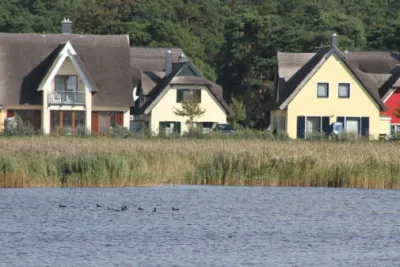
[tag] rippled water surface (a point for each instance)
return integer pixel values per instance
(215, 226)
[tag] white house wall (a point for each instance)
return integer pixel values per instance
(164, 109)
(67, 68)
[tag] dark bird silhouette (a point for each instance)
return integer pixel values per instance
(140, 208)
(175, 209)
(97, 205)
(62, 206)
(155, 209)
(124, 208)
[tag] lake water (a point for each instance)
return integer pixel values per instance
(215, 226)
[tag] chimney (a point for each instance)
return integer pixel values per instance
(168, 62)
(66, 26)
(335, 41)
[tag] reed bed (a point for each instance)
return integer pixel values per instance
(107, 162)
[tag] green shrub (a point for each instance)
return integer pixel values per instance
(120, 132)
(319, 136)
(16, 127)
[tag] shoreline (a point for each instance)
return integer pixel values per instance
(46, 162)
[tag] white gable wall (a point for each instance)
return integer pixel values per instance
(164, 109)
(67, 68)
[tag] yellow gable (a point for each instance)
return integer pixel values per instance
(333, 72)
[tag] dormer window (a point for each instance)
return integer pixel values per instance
(188, 95)
(66, 83)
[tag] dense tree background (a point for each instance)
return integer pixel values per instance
(233, 42)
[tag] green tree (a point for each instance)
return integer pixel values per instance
(239, 110)
(190, 109)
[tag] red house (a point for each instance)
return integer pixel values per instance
(390, 93)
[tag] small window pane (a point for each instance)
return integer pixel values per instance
(112, 119)
(67, 122)
(322, 90)
(71, 83)
(55, 120)
(344, 90)
(60, 83)
(313, 124)
(79, 121)
(353, 125)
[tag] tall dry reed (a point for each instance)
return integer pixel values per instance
(107, 162)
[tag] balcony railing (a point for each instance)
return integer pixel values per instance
(66, 98)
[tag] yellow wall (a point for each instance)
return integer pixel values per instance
(163, 111)
(306, 103)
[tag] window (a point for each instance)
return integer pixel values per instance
(104, 121)
(170, 127)
(66, 83)
(68, 121)
(323, 90)
(279, 123)
(188, 95)
(344, 90)
(352, 125)
(107, 121)
(28, 117)
(313, 125)
(358, 125)
(394, 129)
(206, 126)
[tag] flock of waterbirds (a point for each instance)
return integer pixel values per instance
(123, 208)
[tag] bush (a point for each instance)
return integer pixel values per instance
(319, 136)
(195, 133)
(120, 132)
(15, 127)
(395, 137)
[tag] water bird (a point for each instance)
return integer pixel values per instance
(140, 208)
(175, 209)
(62, 206)
(124, 208)
(155, 209)
(97, 205)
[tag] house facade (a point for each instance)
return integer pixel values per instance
(314, 90)
(163, 86)
(66, 82)
(390, 92)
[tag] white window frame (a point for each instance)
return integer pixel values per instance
(345, 123)
(305, 126)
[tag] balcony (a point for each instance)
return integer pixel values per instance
(67, 98)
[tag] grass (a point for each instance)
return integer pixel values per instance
(107, 162)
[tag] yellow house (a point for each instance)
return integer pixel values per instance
(161, 92)
(315, 90)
